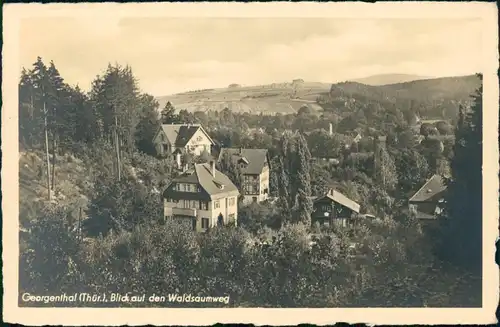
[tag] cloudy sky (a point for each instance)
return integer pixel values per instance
(170, 55)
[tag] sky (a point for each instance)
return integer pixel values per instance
(170, 55)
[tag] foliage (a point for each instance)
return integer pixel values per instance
(273, 258)
(231, 169)
(463, 204)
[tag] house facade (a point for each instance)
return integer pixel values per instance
(254, 165)
(201, 198)
(426, 202)
(333, 208)
(178, 139)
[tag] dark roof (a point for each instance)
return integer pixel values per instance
(424, 215)
(430, 190)
(210, 185)
(421, 215)
(256, 158)
(180, 134)
(340, 198)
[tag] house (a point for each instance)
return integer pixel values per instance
(427, 200)
(178, 139)
(201, 198)
(333, 208)
(254, 165)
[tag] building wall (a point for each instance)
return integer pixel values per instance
(264, 184)
(159, 141)
(336, 213)
(212, 213)
(198, 143)
(262, 180)
(227, 207)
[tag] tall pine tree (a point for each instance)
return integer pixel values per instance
(462, 230)
(303, 182)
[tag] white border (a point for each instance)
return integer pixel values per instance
(13, 13)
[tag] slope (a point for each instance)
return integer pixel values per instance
(272, 98)
(385, 79)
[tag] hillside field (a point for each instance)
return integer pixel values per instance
(284, 98)
(287, 98)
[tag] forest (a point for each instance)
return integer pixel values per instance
(91, 208)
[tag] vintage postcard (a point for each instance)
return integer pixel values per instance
(265, 163)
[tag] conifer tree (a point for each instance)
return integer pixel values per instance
(304, 202)
(462, 230)
(41, 84)
(168, 115)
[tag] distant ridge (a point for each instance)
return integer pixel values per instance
(289, 97)
(386, 79)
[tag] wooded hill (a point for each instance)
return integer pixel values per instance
(429, 97)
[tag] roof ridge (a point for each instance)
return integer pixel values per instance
(421, 188)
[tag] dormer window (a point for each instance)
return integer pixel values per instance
(219, 185)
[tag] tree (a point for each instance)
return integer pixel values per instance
(462, 226)
(284, 202)
(115, 96)
(230, 168)
(42, 84)
(51, 258)
(59, 120)
(427, 129)
(31, 116)
(148, 124)
(168, 115)
(444, 128)
(120, 205)
(384, 167)
(412, 170)
(304, 202)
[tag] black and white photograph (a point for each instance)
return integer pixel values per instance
(162, 156)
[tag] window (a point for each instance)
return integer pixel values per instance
(165, 147)
(254, 199)
(326, 208)
(231, 202)
(203, 205)
(216, 204)
(204, 223)
(232, 216)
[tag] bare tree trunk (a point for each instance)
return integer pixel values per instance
(54, 162)
(47, 151)
(117, 147)
(79, 225)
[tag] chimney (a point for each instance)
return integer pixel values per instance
(331, 129)
(212, 164)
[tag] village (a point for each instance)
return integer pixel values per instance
(203, 197)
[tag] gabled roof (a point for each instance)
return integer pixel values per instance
(180, 134)
(256, 158)
(209, 183)
(340, 198)
(430, 191)
(211, 186)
